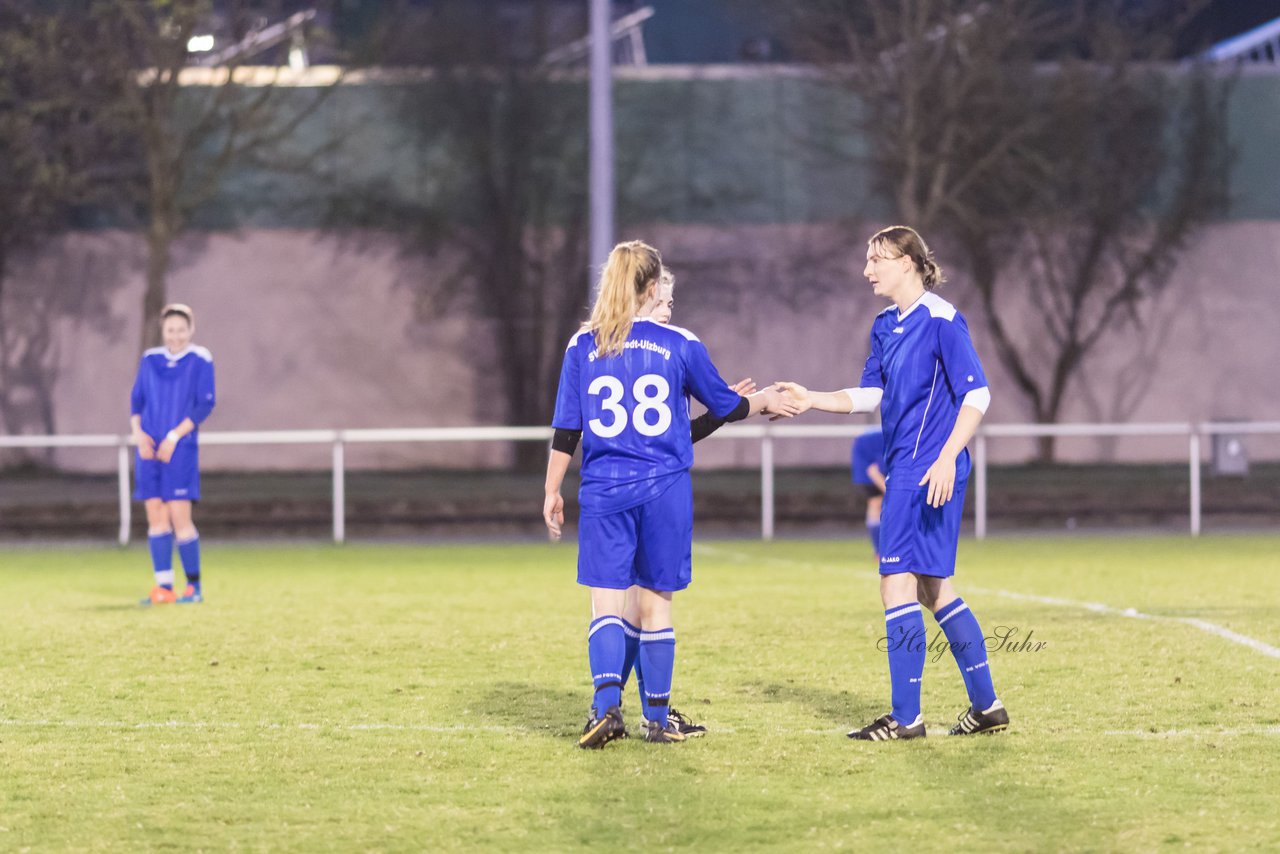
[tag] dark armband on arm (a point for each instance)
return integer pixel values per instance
(741, 411)
(703, 426)
(566, 440)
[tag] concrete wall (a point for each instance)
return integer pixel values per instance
(312, 331)
(736, 173)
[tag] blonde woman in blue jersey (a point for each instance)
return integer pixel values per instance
(172, 395)
(624, 389)
(925, 376)
(704, 425)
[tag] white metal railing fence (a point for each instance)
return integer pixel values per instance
(1261, 45)
(768, 434)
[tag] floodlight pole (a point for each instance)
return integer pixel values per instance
(601, 157)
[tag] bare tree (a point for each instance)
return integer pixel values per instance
(1130, 373)
(194, 133)
(59, 146)
(502, 191)
(1042, 146)
(1132, 164)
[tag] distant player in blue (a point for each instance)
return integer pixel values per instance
(925, 376)
(172, 395)
(624, 393)
(867, 468)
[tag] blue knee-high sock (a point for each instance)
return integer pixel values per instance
(970, 650)
(873, 534)
(658, 660)
(632, 659)
(606, 649)
(639, 668)
(906, 642)
(189, 551)
(162, 558)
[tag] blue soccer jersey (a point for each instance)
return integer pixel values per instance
(170, 387)
(924, 360)
(633, 411)
(867, 449)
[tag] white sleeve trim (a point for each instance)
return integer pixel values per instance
(979, 399)
(864, 399)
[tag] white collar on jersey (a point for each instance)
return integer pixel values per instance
(902, 315)
(173, 357)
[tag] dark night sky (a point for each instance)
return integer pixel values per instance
(713, 30)
(1226, 18)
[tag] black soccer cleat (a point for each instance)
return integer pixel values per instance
(969, 722)
(887, 728)
(686, 727)
(599, 731)
(656, 733)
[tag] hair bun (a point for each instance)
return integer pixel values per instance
(933, 275)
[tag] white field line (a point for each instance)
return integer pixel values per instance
(735, 557)
(266, 725)
(1134, 614)
(47, 723)
(1096, 607)
(1196, 733)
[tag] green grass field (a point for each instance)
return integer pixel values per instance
(427, 698)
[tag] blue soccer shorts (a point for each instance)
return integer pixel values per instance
(650, 545)
(915, 537)
(176, 480)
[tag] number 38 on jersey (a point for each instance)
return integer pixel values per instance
(651, 415)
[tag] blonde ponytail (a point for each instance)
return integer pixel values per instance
(632, 267)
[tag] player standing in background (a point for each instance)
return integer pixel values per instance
(925, 376)
(624, 388)
(172, 395)
(867, 469)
